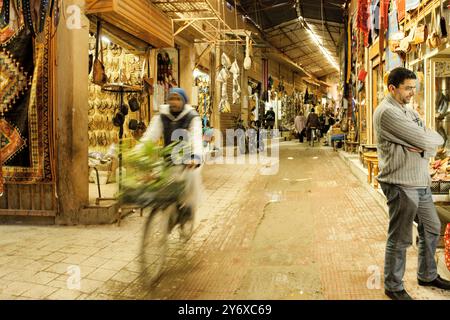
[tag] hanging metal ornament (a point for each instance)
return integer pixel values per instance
(27, 16)
(44, 11)
(55, 11)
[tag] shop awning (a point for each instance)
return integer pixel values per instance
(137, 17)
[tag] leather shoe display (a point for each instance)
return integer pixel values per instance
(437, 283)
(398, 295)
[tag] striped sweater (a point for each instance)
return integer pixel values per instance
(398, 128)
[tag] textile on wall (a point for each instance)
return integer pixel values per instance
(374, 19)
(25, 107)
(384, 9)
(167, 69)
(349, 52)
(393, 59)
(363, 20)
(411, 4)
(400, 9)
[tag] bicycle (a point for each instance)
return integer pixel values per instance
(164, 216)
(314, 135)
(158, 179)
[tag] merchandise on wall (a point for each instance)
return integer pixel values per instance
(26, 117)
(255, 104)
(427, 57)
(291, 106)
(394, 35)
(439, 168)
(111, 111)
(201, 95)
(222, 78)
(167, 75)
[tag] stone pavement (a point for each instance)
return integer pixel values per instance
(39, 262)
(312, 231)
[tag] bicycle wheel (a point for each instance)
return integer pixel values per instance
(154, 246)
(186, 223)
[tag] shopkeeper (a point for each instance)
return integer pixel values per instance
(404, 148)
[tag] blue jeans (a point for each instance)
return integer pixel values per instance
(405, 204)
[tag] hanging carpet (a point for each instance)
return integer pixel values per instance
(25, 114)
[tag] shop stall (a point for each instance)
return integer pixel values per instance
(201, 95)
(429, 59)
(68, 95)
(137, 75)
(119, 109)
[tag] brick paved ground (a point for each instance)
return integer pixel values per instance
(310, 232)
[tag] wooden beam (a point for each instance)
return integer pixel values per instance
(209, 46)
(196, 19)
(28, 213)
(288, 46)
(326, 26)
(178, 2)
(308, 20)
(185, 11)
(186, 25)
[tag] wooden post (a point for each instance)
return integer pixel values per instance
(186, 68)
(215, 86)
(72, 117)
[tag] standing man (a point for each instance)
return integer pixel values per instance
(300, 126)
(311, 122)
(404, 148)
(270, 119)
(326, 123)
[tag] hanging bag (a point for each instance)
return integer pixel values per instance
(99, 75)
(442, 23)
(406, 43)
(421, 32)
(434, 40)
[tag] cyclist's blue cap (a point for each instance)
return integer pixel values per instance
(180, 92)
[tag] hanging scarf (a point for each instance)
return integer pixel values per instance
(400, 10)
(363, 17)
(349, 51)
(393, 60)
(375, 8)
(384, 8)
(363, 20)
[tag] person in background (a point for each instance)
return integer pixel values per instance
(300, 126)
(326, 123)
(405, 146)
(270, 119)
(322, 123)
(208, 137)
(331, 120)
(260, 143)
(311, 122)
(335, 135)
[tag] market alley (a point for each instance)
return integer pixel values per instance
(312, 231)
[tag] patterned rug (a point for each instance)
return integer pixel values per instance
(25, 111)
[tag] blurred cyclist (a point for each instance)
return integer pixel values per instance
(179, 121)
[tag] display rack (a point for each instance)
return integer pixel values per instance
(121, 89)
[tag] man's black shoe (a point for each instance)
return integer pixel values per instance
(398, 295)
(437, 283)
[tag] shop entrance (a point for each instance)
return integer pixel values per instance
(119, 111)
